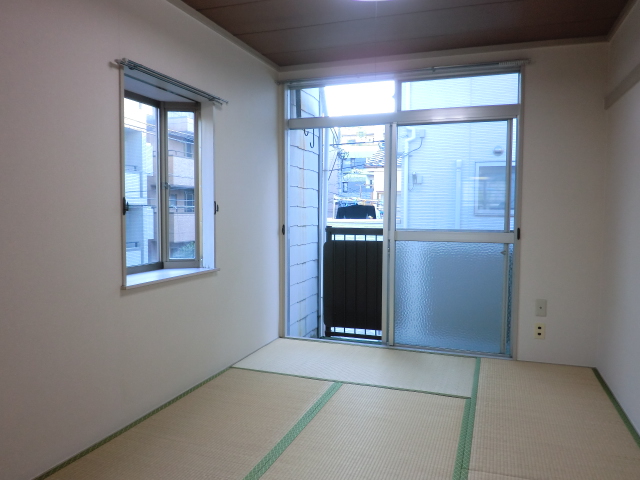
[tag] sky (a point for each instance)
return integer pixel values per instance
(360, 98)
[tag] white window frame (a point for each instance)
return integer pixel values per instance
(293, 120)
(204, 205)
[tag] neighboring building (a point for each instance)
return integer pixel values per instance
(356, 162)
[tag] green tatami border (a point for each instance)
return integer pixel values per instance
(618, 407)
(463, 456)
(270, 458)
(93, 447)
(451, 395)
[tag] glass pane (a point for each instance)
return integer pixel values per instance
(461, 92)
(450, 295)
(340, 100)
(453, 176)
(141, 182)
(354, 171)
(181, 179)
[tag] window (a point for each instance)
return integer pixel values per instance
(340, 100)
(189, 201)
(490, 188)
(471, 91)
(167, 172)
(160, 184)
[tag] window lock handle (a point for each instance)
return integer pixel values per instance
(125, 206)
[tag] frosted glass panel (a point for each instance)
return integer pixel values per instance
(450, 295)
(454, 176)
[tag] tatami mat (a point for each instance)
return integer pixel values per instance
(546, 422)
(373, 434)
(219, 431)
(531, 421)
(444, 374)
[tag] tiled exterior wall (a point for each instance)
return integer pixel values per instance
(304, 168)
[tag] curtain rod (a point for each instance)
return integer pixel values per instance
(170, 80)
(441, 70)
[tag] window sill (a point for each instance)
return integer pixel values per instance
(158, 276)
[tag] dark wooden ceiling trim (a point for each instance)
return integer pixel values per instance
(272, 15)
(479, 19)
(560, 31)
(291, 32)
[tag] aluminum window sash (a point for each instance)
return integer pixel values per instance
(386, 237)
(453, 236)
(508, 167)
(147, 267)
(428, 73)
(507, 226)
(164, 192)
(408, 117)
(284, 217)
(159, 265)
(123, 220)
(389, 252)
(197, 194)
(163, 179)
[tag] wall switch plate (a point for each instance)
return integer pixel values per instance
(539, 329)
(541, 308)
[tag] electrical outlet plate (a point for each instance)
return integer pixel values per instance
(541, 308)
(539, 331)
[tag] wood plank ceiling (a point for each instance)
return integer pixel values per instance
(294, 32)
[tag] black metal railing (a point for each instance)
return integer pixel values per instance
(353, 282)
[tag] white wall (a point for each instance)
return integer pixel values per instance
(79, 358)
(620, 330)
(564, 151)
(562, 203)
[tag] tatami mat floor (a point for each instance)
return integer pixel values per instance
(368, 365)
(316, 410)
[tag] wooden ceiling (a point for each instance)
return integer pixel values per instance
(295, 32)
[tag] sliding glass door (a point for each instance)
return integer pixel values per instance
(452, 237)
(401, 209)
